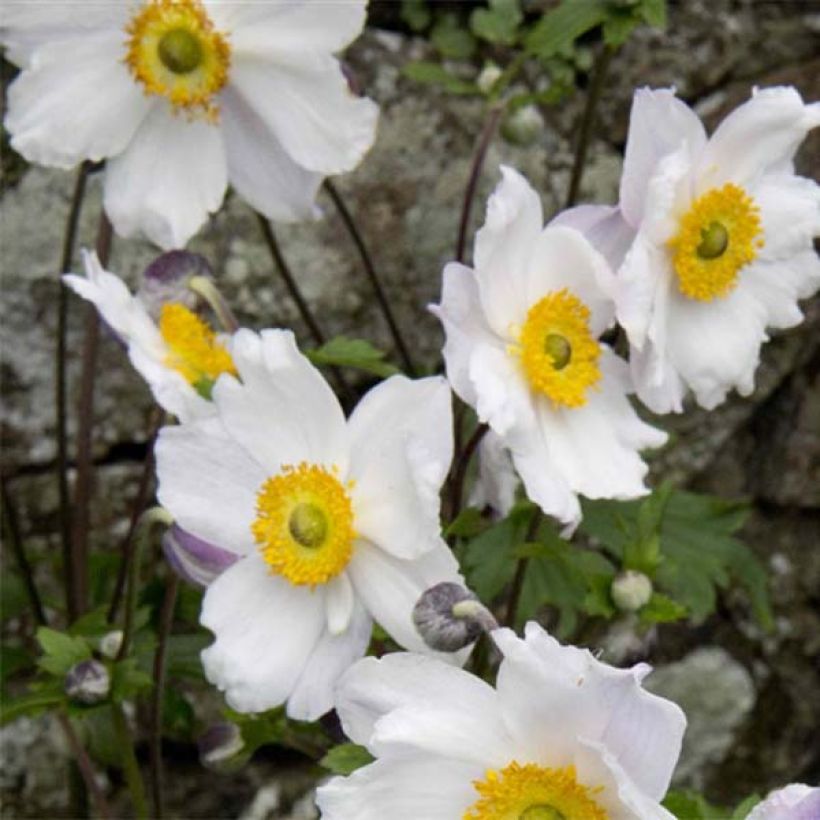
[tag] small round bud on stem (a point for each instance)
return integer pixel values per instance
(631, 590)
(488, 77)
(220, 746)
(449, 617)
(88, 682)
(167, 279)
(523, 127)
(110, 643)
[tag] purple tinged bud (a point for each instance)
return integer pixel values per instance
(193, 559)
(166, 280)
(449, 617)
(88, 682)
(220, 746)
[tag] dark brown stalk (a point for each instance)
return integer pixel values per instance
(166, 621)
(60, 398)
(370, 271)
(460, 471)
(587, 121)
(85, 427)
(86, 769)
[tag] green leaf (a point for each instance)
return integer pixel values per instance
(689, 805)
(661, 609)
(183, 655)
(93, 624)
(653, 12)
(29, 704)
(498, 24)
(558, 29)
(451, 40)
(467, 524)
(358, 353)
(745, 806)
(346, 758)
(61, 651)
(416, 14)
(434, 74)
(13, 597)
(128, 680)
(619, 24)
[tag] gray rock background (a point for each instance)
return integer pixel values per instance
(407, 197)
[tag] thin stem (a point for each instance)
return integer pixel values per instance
(84, 764)
(370, 271)
(166, 621)
(460, 471)
(15, 541)
(60, 398)
(587, 121)
(85, 427)
(484, 140)
(130, 766)
(520, 572)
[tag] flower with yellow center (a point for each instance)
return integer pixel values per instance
(522, 349)
(561, 736)
(178, 354)
(333, 523)
(712, 241)
(181, 98)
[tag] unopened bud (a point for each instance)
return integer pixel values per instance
(488, 77)
(523, 126)
(88, 682)
(166, 280)
(449, 617)
(194, 559)
(631, 590)
(110, 643)
(220, 746)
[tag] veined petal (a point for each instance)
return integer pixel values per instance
(401, 441)
(759, 137)
(310, 109)
(502, 250)
(281, 411)
(266, 630)
(339, 602)
(604, 226)
(75, 101)
(171, 176)
(194, 559)
(260, 169)
(657, 383)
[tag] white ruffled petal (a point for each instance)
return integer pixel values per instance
(266, 630)
(171, 176)
(496, 482)
(657, 383)
(604, 226)
(789, 213)
(401, 441)
(340, 602)
(209, 483)
(75, 101)
(282, 411)
(309, 107)
(260, 169)
(793, 802)
(759, 137)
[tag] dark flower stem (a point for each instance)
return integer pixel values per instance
(60, 397)
(370, 271)
(460, 471)
(84, 764)
(587, 121)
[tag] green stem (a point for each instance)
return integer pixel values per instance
(520, 572)
(130, 766)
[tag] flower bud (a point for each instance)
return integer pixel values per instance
(193, 559)
(166, 280)
(449, 617)
(220, 746)
(631, 590)
(488, 77)
(523, 126)
(88, 682)
(110, 643)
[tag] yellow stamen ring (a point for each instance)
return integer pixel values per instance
(717, 237)
(557, 350)
(304, 524)
(531, 792)
(174, 51)
(193, 349)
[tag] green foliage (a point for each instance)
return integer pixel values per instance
(451, 39)
(662, 609)
(434, 74)
(32, 703)
(128, 680)
(416, 14)
(689, 805)
(60, 651)
(499, 23)
(346, 758)
(182, 660)
(685, 542)
(358, 353)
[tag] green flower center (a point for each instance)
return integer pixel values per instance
(559, 349)
(180, 51)
(714, 239)
(308, 525)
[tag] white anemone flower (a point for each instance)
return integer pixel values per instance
(335, 522)
(522, 349)
(793, 802)
(182, 97)
(561, 735)
(179, 355)
(715, 239)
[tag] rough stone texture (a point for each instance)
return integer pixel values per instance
(407, 197)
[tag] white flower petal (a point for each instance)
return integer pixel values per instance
(266, 630)
(793, 802)
(497, 482)
(790, 214)
(464, 323)
(659, 124)
(75, 101)
(604, 226)
(310, 108)
(657, 383)
(502, 250)
(208, 483)
(562, 258)
(401, 441)
(408, 788)
(260, 169)
(313, 694)
(375, 687)
(171, 176)
(390, 587)
(340, 602)
(759, 137)
(282, 411)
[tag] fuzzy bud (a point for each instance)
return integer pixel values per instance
(88, 682)
(220, 746)
(449, 617)
(166, 280)
(631, 590)
(110, 643)
(523, 127)
(488, 77)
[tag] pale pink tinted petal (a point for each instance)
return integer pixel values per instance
(604, 226)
